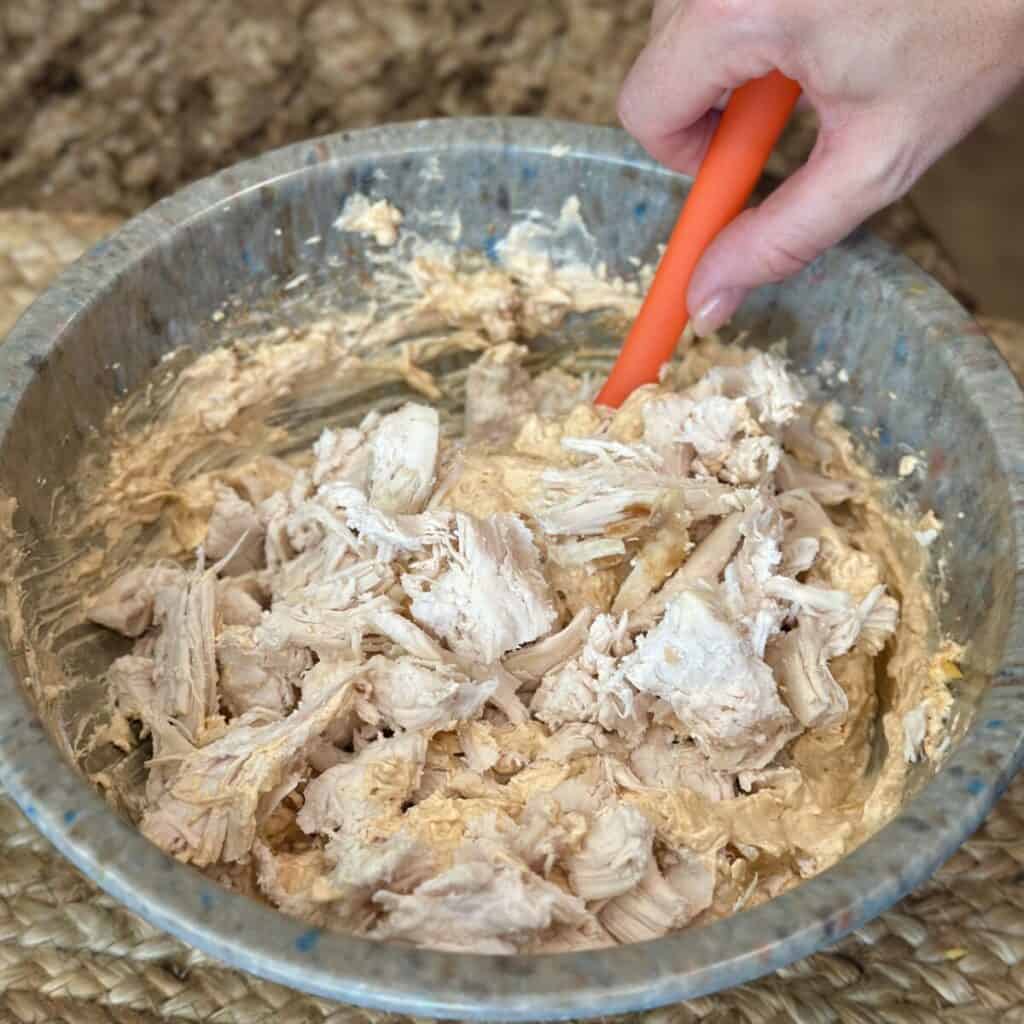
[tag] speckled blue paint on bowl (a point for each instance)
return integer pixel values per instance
(920, 375)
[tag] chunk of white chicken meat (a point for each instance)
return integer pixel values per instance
(403, 460)
(664, 760)
(712, 436)
(576, 740)
(131, 683)
(235, 535)
(326, 602)
(808, 687)
(546, 835)
(845, 618)
(585, 791)
(745, 593)
(126, 606)
(617, 486)
(531, 663)
(492, 596)
(775, 396)
(185, 654)
(258, 676)
(343, 456)
(591, 687)
(707, 671)
(828, 626)
(575, 554)
(299, 883)
(353, 801)
(415, 695)
(487, 902)
(391, 460)
(381, 535)
(792, 476)
(658, 557)
(220, 794)
(614, 854)
(705, 564)
(665, 899)
(240, 600)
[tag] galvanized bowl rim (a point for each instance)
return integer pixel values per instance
(389, 977)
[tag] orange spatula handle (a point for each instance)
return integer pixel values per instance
(750, 126)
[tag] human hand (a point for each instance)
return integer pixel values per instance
(894, 84)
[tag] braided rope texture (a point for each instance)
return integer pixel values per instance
(952, 952)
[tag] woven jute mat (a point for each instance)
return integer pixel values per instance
(953, 951)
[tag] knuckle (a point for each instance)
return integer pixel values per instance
(783, 257)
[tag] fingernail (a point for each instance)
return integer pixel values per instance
(715, 312)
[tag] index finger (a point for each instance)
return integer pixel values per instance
(670, 99)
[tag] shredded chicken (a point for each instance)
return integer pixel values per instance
(567, 680)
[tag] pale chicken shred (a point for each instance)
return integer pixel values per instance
(568, 681)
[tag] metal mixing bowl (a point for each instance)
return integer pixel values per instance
(919, 376)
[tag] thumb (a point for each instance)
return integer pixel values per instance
(847, 178)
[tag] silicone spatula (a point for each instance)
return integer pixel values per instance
(751, 124)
